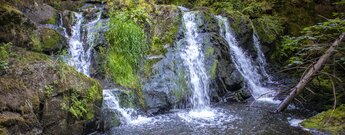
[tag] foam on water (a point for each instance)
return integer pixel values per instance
(294, 122)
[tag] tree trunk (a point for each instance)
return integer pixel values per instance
(309, 75)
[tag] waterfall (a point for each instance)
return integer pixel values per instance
(82, 41)
(243, 62)
(193, 59)
(128, 116)
(261, 59)
(110, 101)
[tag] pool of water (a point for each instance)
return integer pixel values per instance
(219, 119)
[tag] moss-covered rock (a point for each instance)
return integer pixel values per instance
(328, 121)
(51, 40)
(38, 94)
(164, 28)
(15, 27)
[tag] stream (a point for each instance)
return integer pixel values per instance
(203, 116)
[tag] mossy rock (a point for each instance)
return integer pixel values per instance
(15, 27)
(327, 121)
(35, 84)
(50, 41)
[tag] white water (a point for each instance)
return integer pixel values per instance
(261, 59)
(244, 64)
(128, 117)
(111, 101)
(193, 58)
(81, 46)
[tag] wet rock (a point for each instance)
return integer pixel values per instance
(169, 85)
(39, 95)
(67, 20)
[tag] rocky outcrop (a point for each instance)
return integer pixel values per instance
(41, 96)
(169, 85)
(15, 27)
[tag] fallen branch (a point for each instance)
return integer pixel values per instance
(306, 78)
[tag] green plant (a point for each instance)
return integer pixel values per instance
(48, 90)
(127, 49)
(269, 28)
(4, 55)
(76, 106)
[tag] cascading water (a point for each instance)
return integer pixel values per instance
(193, 58)
(243, 63)
(110, 101)
(82, 41)
(261, 59)
(128, 116)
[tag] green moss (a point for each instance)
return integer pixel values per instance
(335, 125)
(24, 57)
(268, 28)
(80, 102)
(51, 39)
(209, 51)
(213, 70)
(9, 8)
(239, 19)
(36, 43)
(52, 20)
(157, 46)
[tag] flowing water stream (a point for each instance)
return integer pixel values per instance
(83, 39)
(203, 117)
(261, 59)
(244, 64)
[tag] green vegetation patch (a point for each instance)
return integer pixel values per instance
(213, 70)
(325, 121)
(268, 28)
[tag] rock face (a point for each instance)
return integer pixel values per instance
(169, 85)
(15, 27)
(38, 95)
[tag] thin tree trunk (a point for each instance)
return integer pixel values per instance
(309, 75)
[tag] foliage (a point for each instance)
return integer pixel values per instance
(313, 41)
(268, 28)
(134, 10)
(127, 47)
(75, 106)
(256, 9)
(48, 90)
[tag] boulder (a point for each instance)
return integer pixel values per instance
(39, 95)
(42, 14)
(51, 40)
